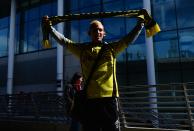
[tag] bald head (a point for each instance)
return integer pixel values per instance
(95, 23)
(96, 31)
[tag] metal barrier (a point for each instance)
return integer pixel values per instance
(166, 106)
(171, 106)
(40, 106)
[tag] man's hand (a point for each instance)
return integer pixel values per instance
(147, 18)
(46, 21)
(46, 28)
(140, 21)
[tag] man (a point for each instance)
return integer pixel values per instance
(102, 92)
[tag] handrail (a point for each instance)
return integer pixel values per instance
(171, 104)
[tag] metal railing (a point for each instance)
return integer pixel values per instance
(40, 106)
(168, 106)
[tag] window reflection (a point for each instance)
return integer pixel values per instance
(84, 24)
(31, 14)
(17, 39)
(46, 9)
(3, 41)
(166, 45)
(88, 3)
(82, 6)
(33, 35)
(187, 43)
(136, 52)
(185, 11)
(168, 13)
(164, 13)
(114, 27)
(4, 22)
(133, 4)
(113, 5)
(75, 31)
(121, 57)
(4, 29)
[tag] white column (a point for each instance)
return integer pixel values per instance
(11, 48)
(60, 28)
(151, 71)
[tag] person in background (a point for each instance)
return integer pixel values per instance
(74, 86)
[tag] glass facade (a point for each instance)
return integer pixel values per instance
(175, 42)
(175, 19)
(28, 27)
(4, 30)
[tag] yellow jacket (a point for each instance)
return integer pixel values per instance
(104, 77)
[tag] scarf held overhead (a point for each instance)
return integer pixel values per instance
(151, 26)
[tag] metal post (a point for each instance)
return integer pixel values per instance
(60, 27)
(151, 72)
(11, 55)
(11, 48)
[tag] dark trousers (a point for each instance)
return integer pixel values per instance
(101, 114)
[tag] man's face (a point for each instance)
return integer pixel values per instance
(97, 32)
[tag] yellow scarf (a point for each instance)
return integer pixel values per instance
(151, 26)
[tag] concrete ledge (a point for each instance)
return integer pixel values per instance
(32, 126)
(46, 126)
(149, 129)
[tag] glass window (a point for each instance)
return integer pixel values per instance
(84, 25)
(54, 8)
(90, 9)
(17, 32)
(186, 40)
(45, 9)
(185, 11)
(166, 45)
(75, 31)
(17, 39)
(130, 24)
(18, 18)
(84, 5)
(133, 4)
(25, 40)
(3, 41)
(29, 35)
(4, 22)
(88, 3)
(32, 14)
(164, 13)
(137, 50)
(114, 27)
(49, 9)
(74, 6)
(121, 57)
(32, 35)
(116, 5)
